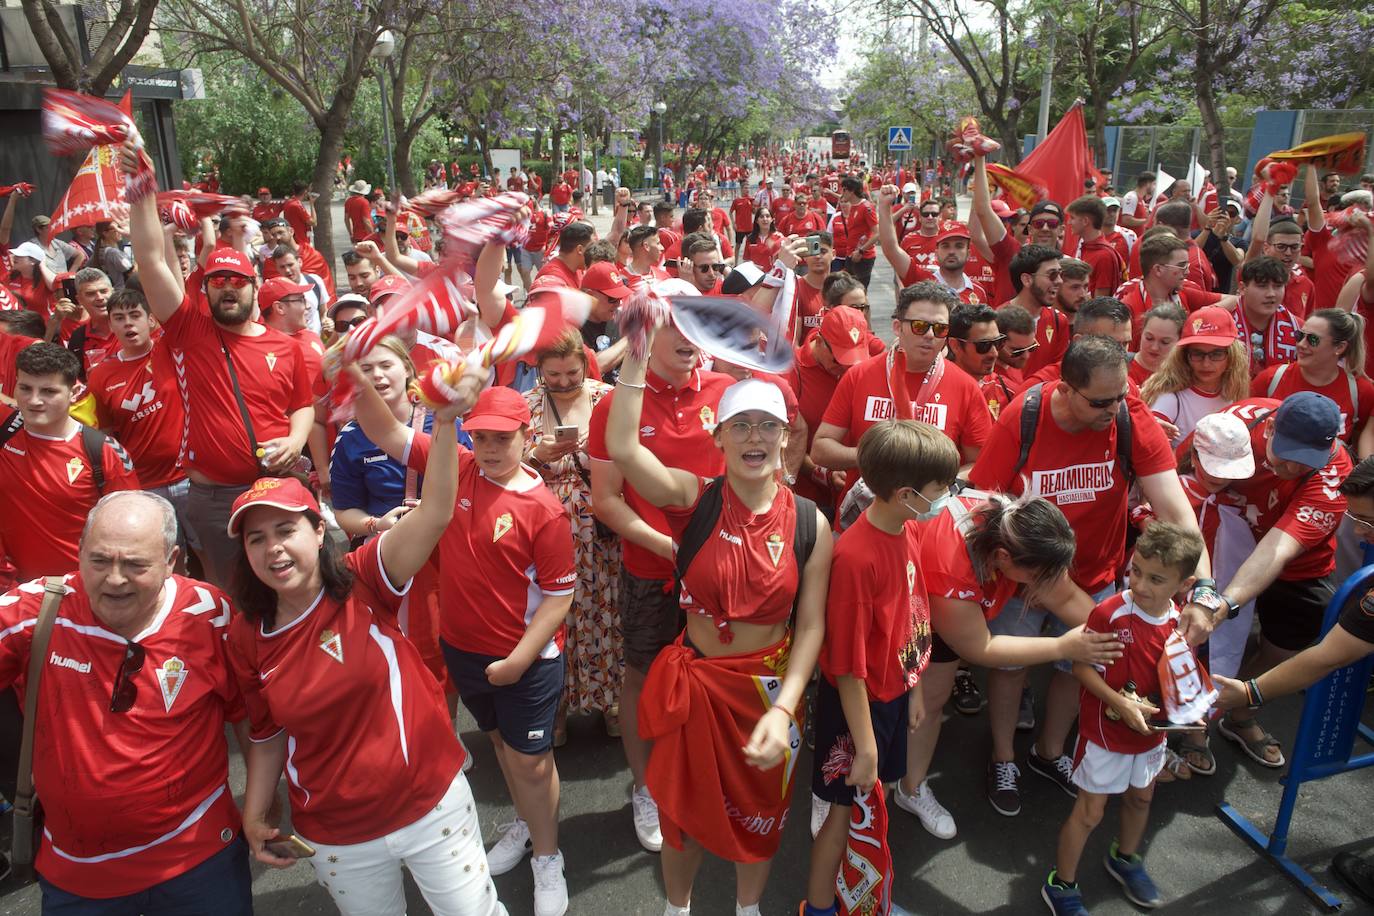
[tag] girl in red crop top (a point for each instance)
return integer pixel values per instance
(735, 678)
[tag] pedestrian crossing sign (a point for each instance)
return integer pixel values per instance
(899, 138)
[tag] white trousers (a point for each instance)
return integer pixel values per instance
(443, 851)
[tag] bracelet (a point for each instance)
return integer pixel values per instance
(621, 381)
(370, 526)
(791, 715)
(1254, 699)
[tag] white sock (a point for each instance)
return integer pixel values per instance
(670, 910)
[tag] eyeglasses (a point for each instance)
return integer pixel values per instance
(1288, 248)
(1206, 356)
(985, 345)
(1101, 403)
(740, 431)
(1313, 340)
(125, 690)
(1022, 351)
(1360, 523)
(919, 327)
(219, 281)
(707, 268)
(348, 325)
(1045, 223)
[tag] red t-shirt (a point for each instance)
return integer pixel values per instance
(556, 273)
(10, 345)
(561, 194)
(1308, 509)
(539, 230)
(947, 567)
(94, 349)
(998, 391)
(135, 799)
(764, 252)
(1300, 294)
(295, 214)
(358, 210)
(312, 351)
(311, 262)
(1105, 262)
(784, 210)
(1329, 273)
(504, 552)
(922, 249)
(1136, 298)
(272, 376)
(370, 744)
(747, 569)
(1353, 416)
(263, 212)
(1077, 472)
(48, 491)
(814, 387)
(863, 398)
(877, 616)
(676, 426)
(1053, 331)
(1002, 253)
(1273, 346)
(1144, 637)
(742, 209)
(853, 228)
(138, 401)
(809, 221)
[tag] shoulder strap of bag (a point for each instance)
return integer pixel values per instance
(238, 396)
(700, 526)
(804, 535)
(53, 592)
(1125, 434)
(93, 441)
(13, 423)
(1277, 379)
(1030, 419)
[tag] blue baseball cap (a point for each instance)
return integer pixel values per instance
(1305, 426)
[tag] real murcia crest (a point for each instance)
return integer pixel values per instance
(910, 577)
(331, 644)
(775, 546)
(171, 677)
(504, 523)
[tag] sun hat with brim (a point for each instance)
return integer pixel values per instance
(498, 410)
(748, 394)
(1305, 426)
(349, 301)
(1211, 326)
(279, 492)
(360, 187)
(1223, 447)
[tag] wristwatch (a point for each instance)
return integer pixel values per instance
(1205, 595)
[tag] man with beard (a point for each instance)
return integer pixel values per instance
(950, 251)
(1164, 266)
(999, 246)
(361, 272)
(1075, 276)
(244, 385)
(1037, 275)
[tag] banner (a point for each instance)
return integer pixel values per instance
(1018, 186)
(1343, 153)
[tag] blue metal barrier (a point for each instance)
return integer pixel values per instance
(1323, 747)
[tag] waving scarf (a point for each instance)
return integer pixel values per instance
(74, 123)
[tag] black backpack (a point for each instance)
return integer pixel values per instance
(703, 524)
(92, 440)
(1030, 420)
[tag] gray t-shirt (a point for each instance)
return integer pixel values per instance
(116, 264)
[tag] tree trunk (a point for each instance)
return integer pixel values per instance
(331, 148)
(538, 148)
(556, 154)
(1008, 132)
(1211, 121)
(1100, 128)
(405, 174)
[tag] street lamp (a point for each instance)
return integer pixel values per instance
(660, 108)
(382, 49)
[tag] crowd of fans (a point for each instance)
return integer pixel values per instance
(1099, 423)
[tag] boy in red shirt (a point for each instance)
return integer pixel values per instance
(878, 636)
(1119, 751)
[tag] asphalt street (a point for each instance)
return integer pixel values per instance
(994, 865)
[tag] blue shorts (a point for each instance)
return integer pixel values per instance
(219, 886)
(1016, 619)
(889, 734)
(522, 712)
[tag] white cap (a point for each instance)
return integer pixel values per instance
(1111, 202)
(28, 250)
(752, 394)
(910, 188)
(1223, 446)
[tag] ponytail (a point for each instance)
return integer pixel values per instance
(1034, 533)
(1347, 328)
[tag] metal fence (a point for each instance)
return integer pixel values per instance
(1146, 149)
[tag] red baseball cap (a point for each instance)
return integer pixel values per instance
(276, 289)
(1003, 211)
(262, 191)
(282, 492)
(1211, 326)
(229, 261)
(845, 330)
(606, 277)
(499, 410)
(387, 286)
(952, 230)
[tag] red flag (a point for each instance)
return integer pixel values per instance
(75, 123)
(1063, 159)
(96, 194)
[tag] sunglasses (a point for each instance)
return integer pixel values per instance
(1045, 223)
(930, 214)
(985, 345)
(919, 327)
(707, 268)
(1313, 340)
(219, 281)
(125, 690)
(1101, 403)
(342, 326)
(1022, 351)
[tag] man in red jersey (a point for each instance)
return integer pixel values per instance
(1282, 238)
(266, 207)
(1178, 216)
(299, 212)
(245, 385)
(1087, 216)
(560, 195)
(1135, 206)
(784, 209)
(358, 211)
(1163, 277)
(1037, 277)
(92, 340)
(1269, 330)
(855, 229)
(565, 268)
(911, 381)
(679, 413)
(49, 464)
(134, 782)
(973, 340)
(137, 402)
(277, 234)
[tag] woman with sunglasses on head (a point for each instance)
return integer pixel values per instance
(1207, 371)
(560, 415)
(721, 702)
(762, 244)
(1331, 361)
(340, 700)
(1159, 334)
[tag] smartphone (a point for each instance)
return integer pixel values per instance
(69, 287)
(813, 245)
(290, 847)
(565, 434)
(1171, 727)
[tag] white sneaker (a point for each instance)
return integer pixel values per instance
(932, 815)
(750, 910)
(550, 890)
(468, 762)
(646, 819)
(670, 910)
(513, 846)
(820, 810)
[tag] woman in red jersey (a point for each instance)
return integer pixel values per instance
(721, 703)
